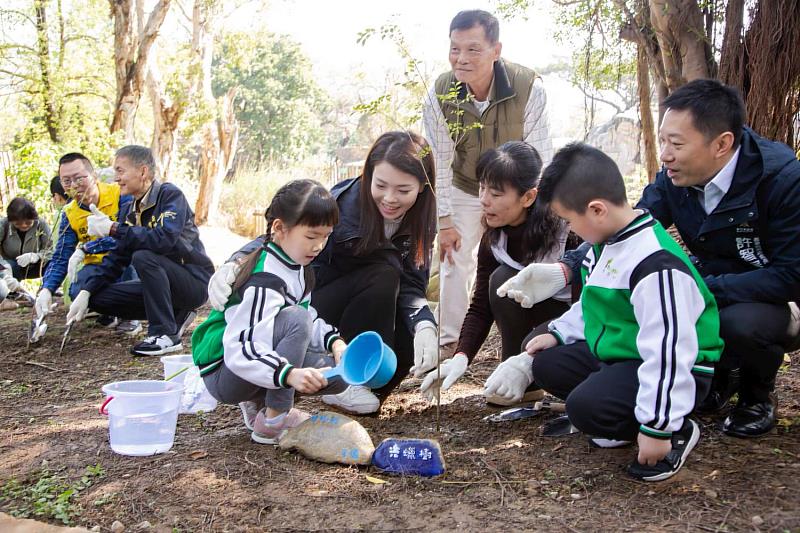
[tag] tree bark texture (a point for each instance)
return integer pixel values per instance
(131, 53)
(680, 31)
(51, 108)
(646, 115)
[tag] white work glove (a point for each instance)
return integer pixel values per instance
(75, 261)
(44, 303)
(79, 307)
(448, 373)
(220, 285)
(27, 259)
(98, 223)
(3, 290)
(511, 377)
(534, 283)
(426, 348)
(12, 284)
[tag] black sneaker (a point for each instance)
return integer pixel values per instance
(158, 345)
(683, 442)
(107, 321)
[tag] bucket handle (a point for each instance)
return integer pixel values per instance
(103, 410)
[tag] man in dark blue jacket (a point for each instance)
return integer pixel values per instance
(158, 236)
(735, 199)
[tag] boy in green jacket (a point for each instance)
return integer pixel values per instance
(636, 353)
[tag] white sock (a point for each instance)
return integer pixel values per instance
(275, 420)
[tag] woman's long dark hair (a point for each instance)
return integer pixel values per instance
(517, 165)
(305, 202)
(410, 153)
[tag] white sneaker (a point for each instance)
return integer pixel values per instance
(355, 399)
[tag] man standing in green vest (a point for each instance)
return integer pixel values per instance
(483, 102)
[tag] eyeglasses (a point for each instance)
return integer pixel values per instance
(66, 182)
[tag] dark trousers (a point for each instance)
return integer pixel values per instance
(87, 271)
(165, 293)
(515, 322)
(366, 300)
(755, 336)
(32, 271)
(600, 397)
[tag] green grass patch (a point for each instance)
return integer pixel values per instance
(49, 495)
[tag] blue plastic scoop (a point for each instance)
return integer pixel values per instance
(366, 361)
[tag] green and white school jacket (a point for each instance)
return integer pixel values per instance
(243, 334)
(643, 299)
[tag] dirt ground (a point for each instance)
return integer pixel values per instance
(500, 477)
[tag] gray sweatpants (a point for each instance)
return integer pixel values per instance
(292, 336)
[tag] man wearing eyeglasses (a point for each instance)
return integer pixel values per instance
(75, 246)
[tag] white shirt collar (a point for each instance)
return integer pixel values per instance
(724, 177)
(718, 187)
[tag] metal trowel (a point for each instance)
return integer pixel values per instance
(519, 413)
(66, 336)
(37, 330)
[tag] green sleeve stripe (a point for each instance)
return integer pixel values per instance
(708, 370)
(330, 342)
(650, 432)
(282, 377)
(558, 336)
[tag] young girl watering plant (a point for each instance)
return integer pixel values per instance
(269, 342)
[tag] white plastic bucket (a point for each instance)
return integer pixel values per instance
(177, 368)
(142, 415)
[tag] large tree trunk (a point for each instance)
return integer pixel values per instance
(130, 56)
(646, 115)
(679, 28)
(222, 147)
(733, 56)
(765, 65)
(51, 108)
(220, 135)
(166, 116)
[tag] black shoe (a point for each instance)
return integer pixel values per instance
(107, 321)
(158, 345)
(683, 442)
(750, 419)
(22, 298)
(724, 386)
